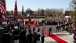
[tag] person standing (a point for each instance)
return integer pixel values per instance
(16, 34)
(38, 36)
(33, 29)
(50, 30)
(34, 37)
(74, 35)
(42, 38)
(57, 28)
(23, 35)
(43, 22)
(12, 25)
(5, 34)
(29, 37)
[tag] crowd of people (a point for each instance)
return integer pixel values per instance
(11, 34)
(63, 26)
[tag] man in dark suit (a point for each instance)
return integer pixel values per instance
(38, 36)
(50, 30)
(30, 37)
(23, 35)
(16, 34)
(57, 28)
(5, 34)
(42, 38)
(34, 37)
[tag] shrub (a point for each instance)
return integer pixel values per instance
(70, 29)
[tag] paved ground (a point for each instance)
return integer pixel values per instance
(48, 26)
(62, 34)
(67, 38)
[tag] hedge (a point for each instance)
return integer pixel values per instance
(70, 29)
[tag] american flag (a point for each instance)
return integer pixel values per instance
(15, 12)
(43, 28)
(29, 26)
(22, 20)
(3, 9)
(36, 25)
(22, 17)
(29, 23)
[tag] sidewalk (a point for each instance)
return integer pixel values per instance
(49, 40)
(63, 35)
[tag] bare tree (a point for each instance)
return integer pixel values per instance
(73, 6)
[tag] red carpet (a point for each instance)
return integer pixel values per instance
(57, 39)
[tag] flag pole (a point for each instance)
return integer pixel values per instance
(15, 12)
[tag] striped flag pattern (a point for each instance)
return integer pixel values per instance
(15, 12)
(29, 23)
(36, 25)
(43, 28)
(3, 9)
(22, 20)
(22, 17)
